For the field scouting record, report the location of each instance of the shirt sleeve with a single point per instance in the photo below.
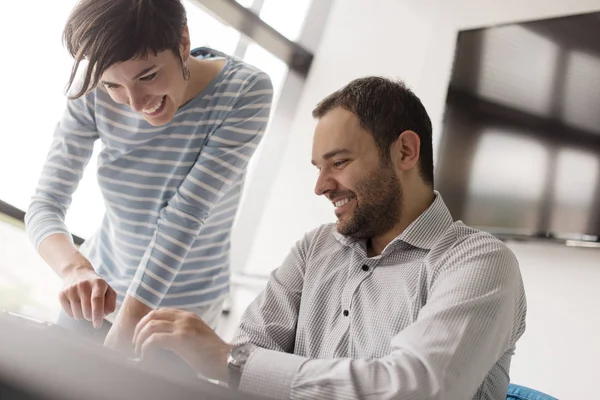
(71, 149)
(461, 332)
(270, 320)
(220, 165)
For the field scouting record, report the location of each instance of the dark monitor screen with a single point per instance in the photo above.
(520, 147)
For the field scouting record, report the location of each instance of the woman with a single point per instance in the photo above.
(177, 127)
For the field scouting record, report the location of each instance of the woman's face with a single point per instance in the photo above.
(153, 86)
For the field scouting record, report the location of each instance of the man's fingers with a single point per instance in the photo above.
(97, 301)
(141, 325)
(153, 327)
(155, 341)
(167, 314)
(163, 314)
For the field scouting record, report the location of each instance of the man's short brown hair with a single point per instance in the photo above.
(385, 108)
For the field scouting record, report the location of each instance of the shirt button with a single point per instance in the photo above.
(365, 267)
(346, 313)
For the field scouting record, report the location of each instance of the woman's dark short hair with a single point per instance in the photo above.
(385, 108)
(105, 32)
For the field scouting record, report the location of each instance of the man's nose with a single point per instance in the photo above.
(324, 184)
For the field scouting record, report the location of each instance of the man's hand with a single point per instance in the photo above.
(185, 334)
(121, 333)
(86, 295)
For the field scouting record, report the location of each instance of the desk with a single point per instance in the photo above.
(41, 361)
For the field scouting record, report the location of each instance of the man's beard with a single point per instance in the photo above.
(378, 205)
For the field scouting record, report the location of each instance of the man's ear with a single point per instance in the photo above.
(405, 151)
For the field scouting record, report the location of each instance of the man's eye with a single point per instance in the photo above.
(340, 163)
(148, 78)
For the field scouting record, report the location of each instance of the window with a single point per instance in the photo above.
(270, 64)
(205, 30)
(27, 285)
(37, 77)
(28, 132)
(277, 70)
(287, 17)
(246, 3)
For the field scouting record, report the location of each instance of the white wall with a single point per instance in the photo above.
(412, 40)
(357, 41)
(560, 350)
(415, 41)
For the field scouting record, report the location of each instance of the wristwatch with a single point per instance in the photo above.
(236, 360)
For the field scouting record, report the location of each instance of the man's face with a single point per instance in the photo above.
(362, 185)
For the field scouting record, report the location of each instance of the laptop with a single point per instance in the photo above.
(41, 360)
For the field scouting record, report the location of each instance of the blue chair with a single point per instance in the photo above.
(517, 392)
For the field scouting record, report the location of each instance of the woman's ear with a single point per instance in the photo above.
(405, 150)
(185, 45)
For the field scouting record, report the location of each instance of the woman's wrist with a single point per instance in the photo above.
(79, 264)
(133, 310)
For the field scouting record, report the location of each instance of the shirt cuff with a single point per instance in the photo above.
(270, 373)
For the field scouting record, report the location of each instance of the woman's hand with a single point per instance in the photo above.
(85, 295)
(185, 334)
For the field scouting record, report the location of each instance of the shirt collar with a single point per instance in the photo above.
(424, 232)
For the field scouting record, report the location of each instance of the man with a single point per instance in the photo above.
(395, 300)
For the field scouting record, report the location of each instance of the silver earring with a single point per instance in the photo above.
(186, 72)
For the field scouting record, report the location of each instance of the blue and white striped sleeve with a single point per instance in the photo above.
(221, 164)
(70, 151)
